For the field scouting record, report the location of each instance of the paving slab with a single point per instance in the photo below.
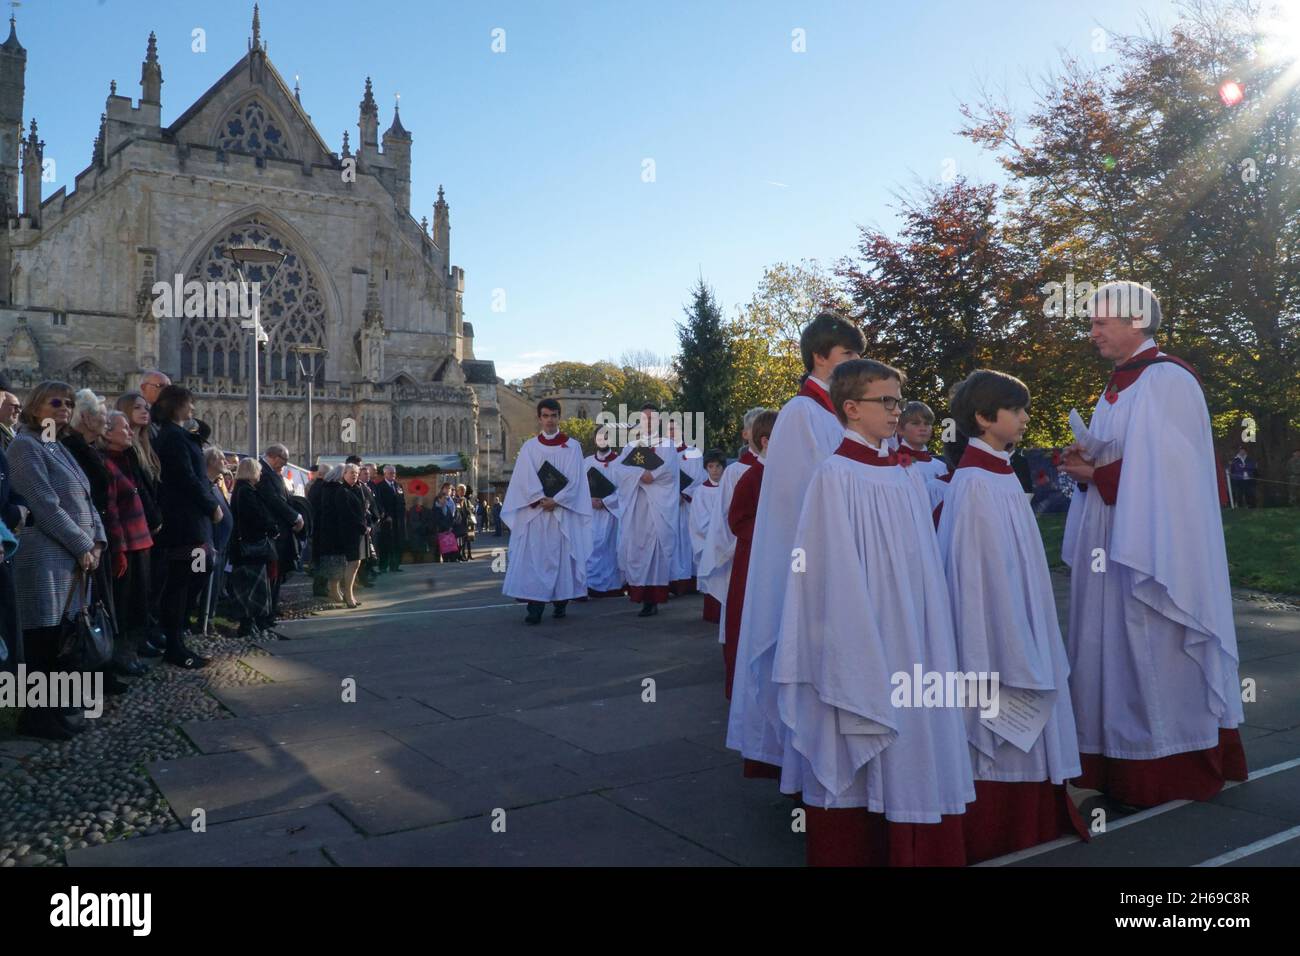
(377, 806)
(582, 831)
(1277, 796)
(247, 783)
(338, 719)
(296, 833)
(642, 764)
(1277, 705)
(481, 745)
(624, 722)
(1184, 836)
(257, 700)
(748, 822)
(1270, 749)
(1284, 854)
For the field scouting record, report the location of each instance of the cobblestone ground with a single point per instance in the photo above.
(93, 789)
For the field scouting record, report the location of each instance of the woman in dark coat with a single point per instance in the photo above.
(342, 532)
(189, 509)
(254, 525)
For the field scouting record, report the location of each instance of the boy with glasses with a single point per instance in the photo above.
(884, 781)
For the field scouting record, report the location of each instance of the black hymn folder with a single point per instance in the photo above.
(552, 479)
(643, 456)
(598, 484)
(684, 481)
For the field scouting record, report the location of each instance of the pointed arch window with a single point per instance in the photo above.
(293, 312)
(253, 129)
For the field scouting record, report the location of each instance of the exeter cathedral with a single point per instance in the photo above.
(243, 166)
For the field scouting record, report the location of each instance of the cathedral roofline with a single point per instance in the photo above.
(176, 125)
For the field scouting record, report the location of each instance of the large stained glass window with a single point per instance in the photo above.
(293, 313)
(252, 129)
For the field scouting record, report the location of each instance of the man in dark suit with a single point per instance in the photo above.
(271, 490)
(392, 529)
(12, 514)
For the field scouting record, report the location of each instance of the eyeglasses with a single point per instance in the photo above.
(59, 403)
(888, 401)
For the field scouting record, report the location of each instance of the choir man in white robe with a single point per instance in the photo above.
(806, 433)
(1152, 643)
(704, 514)
(1004, 614)
(650, 500)
(604, 574)
(883, 764)
(915, 427)
(550, 534)
(691, 462)
(720, 543)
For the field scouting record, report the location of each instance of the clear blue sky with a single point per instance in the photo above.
(761, 154)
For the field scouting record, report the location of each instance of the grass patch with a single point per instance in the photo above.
(1263, 547)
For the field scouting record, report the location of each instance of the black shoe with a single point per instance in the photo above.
(130, 668)
(185, 658)
(648, 609)
(42, 722)
(72, 720)
(535, 609)
(561, 608)
(114, 685)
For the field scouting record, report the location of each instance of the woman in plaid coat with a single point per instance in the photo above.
(62, 531)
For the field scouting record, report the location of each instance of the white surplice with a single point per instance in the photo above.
(932, 470)
(806, 433)
(548, 552)
(1004, 614)
(1152, 644)
(648, 523)
(870, 605)
(720, 545)
(705, 499)
(691, 463)
(603, 571)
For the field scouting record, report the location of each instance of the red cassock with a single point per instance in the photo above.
(740, 517)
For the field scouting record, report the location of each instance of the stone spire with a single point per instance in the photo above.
(33, 155)
(257, 28)
(97, 157)
(13, 72)
(441, 222)
(257, 50)
(397, 130)
(151, 78)
(347, 150)
(368, 121)
(370, 337)
(297, 89)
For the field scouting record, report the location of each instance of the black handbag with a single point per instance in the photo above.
(257, 552)
(86, 641)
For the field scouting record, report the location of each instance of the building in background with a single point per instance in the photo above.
(243, 165)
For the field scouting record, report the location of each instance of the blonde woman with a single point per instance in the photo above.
(342, 532)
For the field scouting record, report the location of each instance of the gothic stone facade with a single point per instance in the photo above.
(242, 166)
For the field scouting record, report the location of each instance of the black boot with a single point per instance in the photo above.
(561, 607)
(535, 609)
(42, 722)
(648, 609)
(181, 656)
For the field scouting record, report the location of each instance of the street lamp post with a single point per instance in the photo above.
(243, 256)
(315, 351)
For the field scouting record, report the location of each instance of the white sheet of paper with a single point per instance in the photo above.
(1093, 448)
(1022, 715)
(851, 723)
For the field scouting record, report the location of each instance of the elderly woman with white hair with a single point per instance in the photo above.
(252, 549)
(342, 532)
